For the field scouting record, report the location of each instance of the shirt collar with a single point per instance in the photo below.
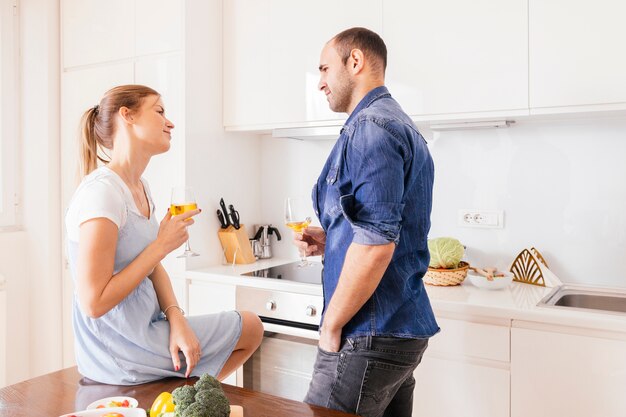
(366, 101)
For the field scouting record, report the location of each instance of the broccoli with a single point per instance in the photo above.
(204, 399)
(196, 410)
(183, 397)
(219, 406)
(207, 381)
(215, 400)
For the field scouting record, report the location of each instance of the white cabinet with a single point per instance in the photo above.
(449, 388)
(246, 62)
(159, 26)
(271, 58)
(207, 298)
(465, 370)
(454, 56)
(557, 371)
(577, 53)
(96, 32)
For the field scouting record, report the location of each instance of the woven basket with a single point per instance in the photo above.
(446, 277)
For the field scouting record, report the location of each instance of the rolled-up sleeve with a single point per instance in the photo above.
(375, 162)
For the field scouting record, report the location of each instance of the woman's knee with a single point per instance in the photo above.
(251, 329)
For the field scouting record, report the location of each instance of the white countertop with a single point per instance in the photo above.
(518, 302)
(231, 274)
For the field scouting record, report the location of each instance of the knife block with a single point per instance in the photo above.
(236, 245)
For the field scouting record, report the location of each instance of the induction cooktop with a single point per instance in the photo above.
(291, 272)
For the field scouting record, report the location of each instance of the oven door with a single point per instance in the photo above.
(283, 364)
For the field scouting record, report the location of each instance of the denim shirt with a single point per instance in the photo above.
(376, 188)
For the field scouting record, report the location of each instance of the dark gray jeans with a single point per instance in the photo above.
(369, 376)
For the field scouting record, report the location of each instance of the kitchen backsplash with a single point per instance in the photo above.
(561, 185)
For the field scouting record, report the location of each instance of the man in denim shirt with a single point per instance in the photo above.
(373, 199)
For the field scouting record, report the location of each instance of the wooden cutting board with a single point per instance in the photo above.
(236, 411)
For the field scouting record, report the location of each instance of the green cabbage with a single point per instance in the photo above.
(445, 252)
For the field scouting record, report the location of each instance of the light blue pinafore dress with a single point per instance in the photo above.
(130, 343)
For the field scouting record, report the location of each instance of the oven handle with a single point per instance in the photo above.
(291, 331)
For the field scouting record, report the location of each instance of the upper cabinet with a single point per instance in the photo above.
(97, 32)
(453, 56)
(448, 60)
(271, 58)
(577, 53)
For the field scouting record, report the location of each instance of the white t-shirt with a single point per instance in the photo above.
(104, 194)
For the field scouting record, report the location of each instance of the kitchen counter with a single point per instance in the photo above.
(66, 391)
(231, 274)
(518, 302)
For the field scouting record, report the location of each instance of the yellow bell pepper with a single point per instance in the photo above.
(162, 404)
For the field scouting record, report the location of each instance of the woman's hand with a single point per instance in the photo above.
(182, 338)
(311, 241)
(173, 230)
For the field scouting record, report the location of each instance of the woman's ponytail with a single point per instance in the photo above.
(89, 142)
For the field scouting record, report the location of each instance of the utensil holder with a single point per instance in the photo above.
(236, 245)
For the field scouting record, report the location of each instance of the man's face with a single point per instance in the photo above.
(335, 80)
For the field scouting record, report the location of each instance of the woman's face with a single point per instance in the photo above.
(151, 126)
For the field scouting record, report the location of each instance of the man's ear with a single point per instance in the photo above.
(126, 115)
(356, 62)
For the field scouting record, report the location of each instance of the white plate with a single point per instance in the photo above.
(497, 283)
(132, 403)
(100, 412)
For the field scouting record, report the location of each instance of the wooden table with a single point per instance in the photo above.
(66, 391)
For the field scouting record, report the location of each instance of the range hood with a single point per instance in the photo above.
(308, 133)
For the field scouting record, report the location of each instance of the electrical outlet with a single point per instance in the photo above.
(490, 219)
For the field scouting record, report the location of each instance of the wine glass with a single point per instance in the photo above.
(183, 200)
(297, 218)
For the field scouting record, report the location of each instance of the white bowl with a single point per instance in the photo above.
(498, 283)
(125, 411)
(132, 403)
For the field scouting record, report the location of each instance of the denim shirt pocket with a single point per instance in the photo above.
(331, 204)
(333, 173)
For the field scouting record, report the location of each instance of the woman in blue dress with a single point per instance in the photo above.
(128, 326)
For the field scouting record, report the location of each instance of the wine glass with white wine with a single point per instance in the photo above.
(298, 218)
(183, 200)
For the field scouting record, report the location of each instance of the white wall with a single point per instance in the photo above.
(13, 261)
(290, 168)
(30, 259)
(41, 209)
(218, 164)
(561, 184)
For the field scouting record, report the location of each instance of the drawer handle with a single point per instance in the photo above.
(270, 305)
(311, 311)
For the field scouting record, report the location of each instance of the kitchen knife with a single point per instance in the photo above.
(220, 217)
(224, 212)
(234, 216)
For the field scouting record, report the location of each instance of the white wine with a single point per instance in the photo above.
(176, 209)
(298, 227)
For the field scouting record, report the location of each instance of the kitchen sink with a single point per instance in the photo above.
(576, 297)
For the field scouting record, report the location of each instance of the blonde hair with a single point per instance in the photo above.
(97, 125)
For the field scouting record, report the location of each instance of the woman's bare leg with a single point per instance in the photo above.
(249, 341)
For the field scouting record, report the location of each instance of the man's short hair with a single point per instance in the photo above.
(364, 39)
